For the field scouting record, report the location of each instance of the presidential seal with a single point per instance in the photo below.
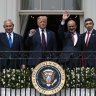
(48, 77)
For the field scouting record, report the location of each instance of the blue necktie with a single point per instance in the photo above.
(10, 43)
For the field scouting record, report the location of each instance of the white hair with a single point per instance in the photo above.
(8, 20)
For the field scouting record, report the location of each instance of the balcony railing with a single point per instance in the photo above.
(79, 67)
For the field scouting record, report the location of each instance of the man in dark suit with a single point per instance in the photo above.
(41, 40)
(89, 43)
(10, 41)
(71, 42)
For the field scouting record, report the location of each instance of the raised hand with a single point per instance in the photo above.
(65, 16)
(23, 66)
(32, 32)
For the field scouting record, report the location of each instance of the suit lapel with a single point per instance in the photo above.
(78, 37)
(14, 39)
(48, 37)
(37, 36)
(84, 39)
(69, 34)
(91, 37)
(5, 39)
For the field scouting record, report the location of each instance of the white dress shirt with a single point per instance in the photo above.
(45, 33)
(90, 32)
(75, 35)
(75, 38)
(11, 36)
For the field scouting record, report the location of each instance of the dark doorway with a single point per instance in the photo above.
(53, 24)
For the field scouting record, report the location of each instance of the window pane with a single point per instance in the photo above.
(72, 5)
(50, 4)
(24, 5)
(35, 4)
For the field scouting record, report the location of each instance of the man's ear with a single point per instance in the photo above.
(13, 25)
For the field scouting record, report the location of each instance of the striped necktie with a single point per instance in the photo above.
(87, 40)
(43, 41)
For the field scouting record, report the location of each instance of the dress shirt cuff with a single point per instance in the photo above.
(62, 23)
(30, 35)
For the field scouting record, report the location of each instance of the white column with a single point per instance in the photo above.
(3, 13)
(8, 10)
(89, 8)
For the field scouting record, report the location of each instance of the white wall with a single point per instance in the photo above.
(89, 8)
(8, 10)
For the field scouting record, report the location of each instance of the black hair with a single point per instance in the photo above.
(88, 19)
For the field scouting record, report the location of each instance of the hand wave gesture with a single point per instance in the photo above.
(65, 16)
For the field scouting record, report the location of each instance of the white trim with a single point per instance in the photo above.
(69, 92)
(40, 4)
(81, 24)
(52, 12)
(18, 17)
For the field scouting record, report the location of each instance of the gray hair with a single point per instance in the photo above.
(8, 20)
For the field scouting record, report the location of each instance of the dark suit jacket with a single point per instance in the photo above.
(16, 46)
(68, 45)
(34, 43)
(91, 47)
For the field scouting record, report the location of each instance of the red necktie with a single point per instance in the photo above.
(82, 61)
(43, 41)
(73, 37)
(87, 39)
